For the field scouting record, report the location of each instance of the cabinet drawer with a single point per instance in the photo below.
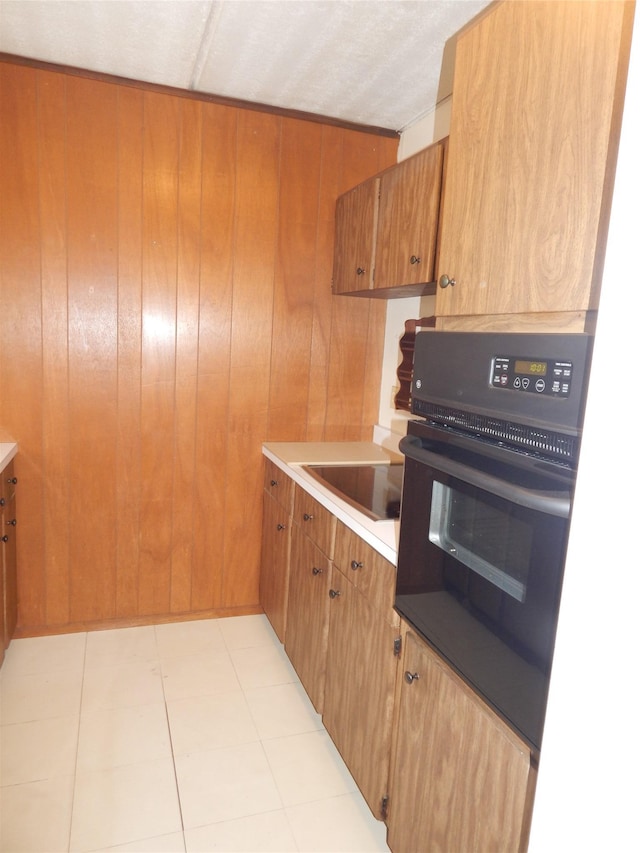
(315, 521)
(278, 484)
(374, 576)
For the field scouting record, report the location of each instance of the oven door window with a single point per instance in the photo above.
(486, 536)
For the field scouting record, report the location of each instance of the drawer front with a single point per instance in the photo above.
(278, 484)
(374, 576)
(315, 521)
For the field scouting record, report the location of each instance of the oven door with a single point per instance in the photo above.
(480, 563)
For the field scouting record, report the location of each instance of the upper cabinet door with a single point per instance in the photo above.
(353, 259)
(408, 220)
(535, 117)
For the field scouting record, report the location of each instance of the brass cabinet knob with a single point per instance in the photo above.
(414, 259)
(445, 281)
(410, 677)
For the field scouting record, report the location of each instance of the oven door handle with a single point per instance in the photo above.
(557, 503)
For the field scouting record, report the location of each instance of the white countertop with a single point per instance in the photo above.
(291, 456)
(8, 450)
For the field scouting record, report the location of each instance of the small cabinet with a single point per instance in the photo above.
(276, 544)
(362, 658)
(533, 136)
(9, 591)
(461, 779)
(386, 230)
(307, 633)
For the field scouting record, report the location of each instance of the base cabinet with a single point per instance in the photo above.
(8, 560)
(461, 779)
(358, 705)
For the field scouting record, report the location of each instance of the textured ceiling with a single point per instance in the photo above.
(374, 62)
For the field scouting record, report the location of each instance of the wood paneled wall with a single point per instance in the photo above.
(165, 268)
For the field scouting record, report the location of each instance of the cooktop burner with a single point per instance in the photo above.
(375, 490)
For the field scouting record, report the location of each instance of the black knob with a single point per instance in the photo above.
(414, 259)
(274, 482)
(360, 271)
(355, 565)
(13, 522)
(334, 593)
(13, 480)
(5, 538)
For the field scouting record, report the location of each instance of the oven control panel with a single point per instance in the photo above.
(532, 375)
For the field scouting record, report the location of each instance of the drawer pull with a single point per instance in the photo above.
(334, 593)
(410, 677)
(316, 571)
(274, 482)
(307, 517)
(355, 565)
(282, 527)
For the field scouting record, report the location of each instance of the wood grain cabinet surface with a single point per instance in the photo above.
(361, 665)
(386, 229)
(461, 779)
(8, 558)
(535, 119)
(310, 573)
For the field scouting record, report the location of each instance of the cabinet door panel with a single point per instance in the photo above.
(315, 521)
(274, 571)
(460, 780)
(8, 559)
(354, 248)
(358, 707)
(528, 158)
(278, 484)
(368, 570)
(308, 614)
(408, 220)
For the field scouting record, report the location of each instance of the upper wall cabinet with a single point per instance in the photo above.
(386, 229)
(536, 109)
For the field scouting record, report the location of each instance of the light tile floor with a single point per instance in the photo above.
(191, 736)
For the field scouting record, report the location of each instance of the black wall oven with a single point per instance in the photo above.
(488, 484)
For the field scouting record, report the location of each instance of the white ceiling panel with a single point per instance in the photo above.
(374, 62)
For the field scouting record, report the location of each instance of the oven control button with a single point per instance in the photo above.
(540, 386)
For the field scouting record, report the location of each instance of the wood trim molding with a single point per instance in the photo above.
(199, 96)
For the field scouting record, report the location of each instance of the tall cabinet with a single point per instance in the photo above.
(536, 109)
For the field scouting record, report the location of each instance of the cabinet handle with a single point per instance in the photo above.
(445, 281)
(1, 501)
(360, 271)
(13, 522)
(414, 259)
(355, 565)
(334, 593)
(12, 480)
(307, 517)
(316, 571)
(274, 482)
(410, 677)
(281, 527)
(4, 538)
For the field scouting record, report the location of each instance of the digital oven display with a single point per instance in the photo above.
(531, 375)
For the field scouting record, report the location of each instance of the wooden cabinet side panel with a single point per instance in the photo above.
(408, 220)
(274, 571)
(308, 615)
(359, 694)
(8, 561)
(527, 157)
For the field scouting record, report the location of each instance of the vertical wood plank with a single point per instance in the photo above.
(214, 345)
(253, 282)
(20, 313)
(187, 319)
(294, 280)
(128, 465)
(92, 295)
(55, 388)
(159, 258)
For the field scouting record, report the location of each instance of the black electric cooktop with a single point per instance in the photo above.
(375, 490)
